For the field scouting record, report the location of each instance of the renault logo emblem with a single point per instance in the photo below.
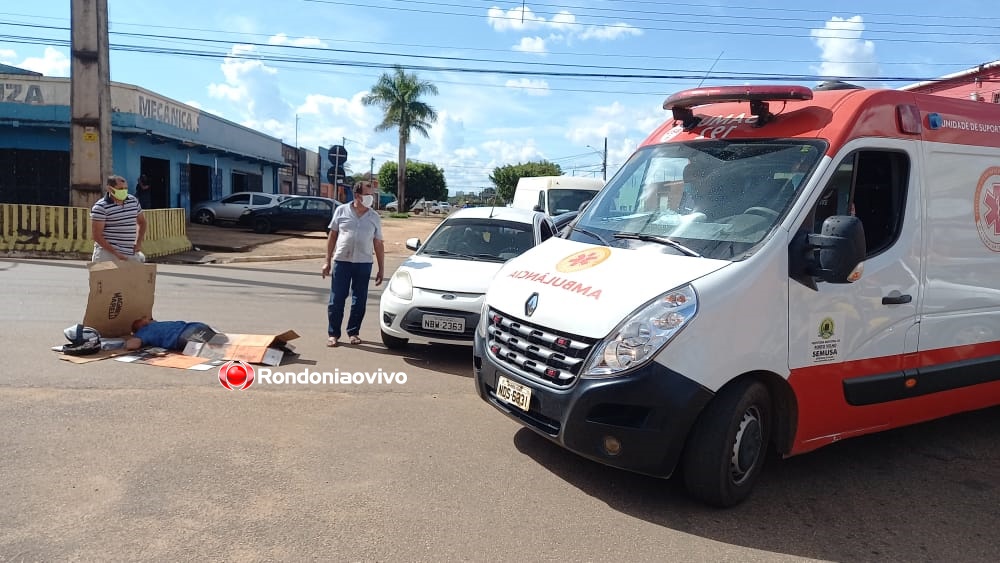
(531, 304)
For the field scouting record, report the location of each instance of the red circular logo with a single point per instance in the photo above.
(987, 208)
(236, 375)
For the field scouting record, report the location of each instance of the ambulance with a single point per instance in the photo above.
(819, 265)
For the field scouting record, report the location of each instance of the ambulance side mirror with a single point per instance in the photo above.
(832, 256)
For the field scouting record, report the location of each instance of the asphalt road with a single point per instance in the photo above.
(112, 461)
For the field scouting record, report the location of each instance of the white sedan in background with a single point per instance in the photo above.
(436, 295)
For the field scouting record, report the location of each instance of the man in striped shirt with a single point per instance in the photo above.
(117, 223)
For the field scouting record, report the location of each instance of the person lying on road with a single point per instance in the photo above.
(171, 335)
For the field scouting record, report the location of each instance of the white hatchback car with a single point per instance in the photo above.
(231, 207)
(436, 295)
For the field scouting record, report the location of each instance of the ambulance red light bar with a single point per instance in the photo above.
(758, 96)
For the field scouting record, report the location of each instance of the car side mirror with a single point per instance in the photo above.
(412, 243)
(832, 256)
(537, 208)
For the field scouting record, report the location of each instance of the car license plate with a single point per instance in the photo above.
(513, 393)
(444, 324)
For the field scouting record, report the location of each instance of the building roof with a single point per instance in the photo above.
(995, 65)
(7, 69)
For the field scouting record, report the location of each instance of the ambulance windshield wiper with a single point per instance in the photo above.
(590, 234)
(659, 239)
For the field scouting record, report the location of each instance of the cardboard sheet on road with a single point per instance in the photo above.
(167, 359)
(266, 349)
(102, 355)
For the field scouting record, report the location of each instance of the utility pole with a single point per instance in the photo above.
(90, 102)
(604, 164)
(295, 177)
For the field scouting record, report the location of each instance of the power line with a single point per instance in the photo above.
(677, 74)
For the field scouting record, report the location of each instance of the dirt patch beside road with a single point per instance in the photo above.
(230, 244)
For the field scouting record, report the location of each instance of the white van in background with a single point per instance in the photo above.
(554, 195)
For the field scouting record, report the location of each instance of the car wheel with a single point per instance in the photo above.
(726, 451)
(393, 343)
(262, 226)
(204, 217)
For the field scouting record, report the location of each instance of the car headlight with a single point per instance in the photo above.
(641, 336)
(483, 320)
(401, 285)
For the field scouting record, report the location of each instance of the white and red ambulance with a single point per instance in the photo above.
(773, 267)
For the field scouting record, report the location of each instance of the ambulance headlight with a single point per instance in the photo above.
(401, 285)
(641, 336)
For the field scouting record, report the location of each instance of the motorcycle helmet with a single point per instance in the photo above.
(83, 340)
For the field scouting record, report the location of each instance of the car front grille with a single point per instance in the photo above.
(412, 323)
(551, 357)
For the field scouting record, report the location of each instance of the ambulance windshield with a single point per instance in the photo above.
(717, 199)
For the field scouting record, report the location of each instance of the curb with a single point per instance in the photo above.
(274, 258)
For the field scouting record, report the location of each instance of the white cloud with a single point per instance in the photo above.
(283, 39)
(562, 28)
(609, 32)
(7, 56)
(531, 45)
(253, 88)
(329, 107)
(52, 63)
(514, 19)
(535, 87)
(842, 50)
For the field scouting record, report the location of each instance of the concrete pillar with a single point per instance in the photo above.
(90, 102)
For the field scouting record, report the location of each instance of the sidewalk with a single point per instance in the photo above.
(225, 244)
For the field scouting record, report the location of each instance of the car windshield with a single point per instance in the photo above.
(565, 200)
(717, 199)
(479, 239)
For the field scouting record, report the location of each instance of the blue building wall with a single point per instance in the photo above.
(35, 116)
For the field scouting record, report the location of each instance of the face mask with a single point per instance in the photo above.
(120, 195)
(367, 200)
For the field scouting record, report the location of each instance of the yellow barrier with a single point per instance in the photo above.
(47, 229)
(166, 232)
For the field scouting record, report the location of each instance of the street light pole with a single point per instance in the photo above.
(604, 163)
(604, 158)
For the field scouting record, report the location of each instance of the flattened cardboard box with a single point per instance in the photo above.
(266, 349)
(165, 358)
(120, 293)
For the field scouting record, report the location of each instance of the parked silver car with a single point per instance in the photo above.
(230, 208)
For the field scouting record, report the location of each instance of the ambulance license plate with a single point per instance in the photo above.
(513, 393)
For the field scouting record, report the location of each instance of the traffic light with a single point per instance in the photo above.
(337, 157)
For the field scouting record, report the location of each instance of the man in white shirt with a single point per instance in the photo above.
(355, 241)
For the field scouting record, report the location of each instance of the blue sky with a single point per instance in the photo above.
(546, 81)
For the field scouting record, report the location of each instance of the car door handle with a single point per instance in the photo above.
(897, 299)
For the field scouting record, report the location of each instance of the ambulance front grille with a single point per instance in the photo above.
(545, 355)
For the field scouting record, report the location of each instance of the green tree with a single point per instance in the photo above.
(505, 177)
(423, 180)
(399, 95)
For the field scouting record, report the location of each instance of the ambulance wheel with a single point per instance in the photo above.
(393, 343)
(727, 448)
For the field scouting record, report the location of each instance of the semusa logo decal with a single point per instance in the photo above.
(235, 375)
(583, 259)
(987, 208)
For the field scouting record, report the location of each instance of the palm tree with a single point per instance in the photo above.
(398, 94)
